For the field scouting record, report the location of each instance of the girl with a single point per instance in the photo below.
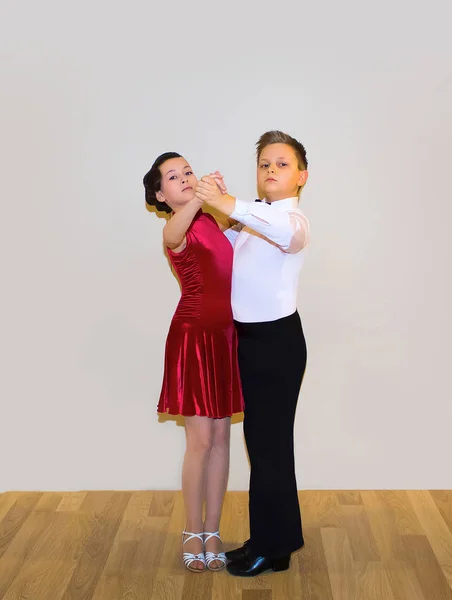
(201, 379)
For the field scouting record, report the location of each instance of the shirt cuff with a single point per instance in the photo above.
(241, 209)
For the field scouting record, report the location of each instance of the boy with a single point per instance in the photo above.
(268, 255)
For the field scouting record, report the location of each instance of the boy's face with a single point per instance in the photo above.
(278, 173)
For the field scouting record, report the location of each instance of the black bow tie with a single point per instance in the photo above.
(259, 200)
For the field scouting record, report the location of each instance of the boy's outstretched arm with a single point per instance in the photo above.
(289, 229)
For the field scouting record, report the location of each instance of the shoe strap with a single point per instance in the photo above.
(211, 535)
(212, 557)
(192, 536)
(190, 558)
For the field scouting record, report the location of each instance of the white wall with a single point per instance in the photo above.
(91, 93)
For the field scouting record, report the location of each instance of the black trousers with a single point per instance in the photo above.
(272, 360)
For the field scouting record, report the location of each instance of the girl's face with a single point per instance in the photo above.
(178, 183)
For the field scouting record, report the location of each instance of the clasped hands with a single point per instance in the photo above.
(211, 188)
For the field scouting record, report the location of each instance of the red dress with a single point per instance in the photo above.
(201, 374)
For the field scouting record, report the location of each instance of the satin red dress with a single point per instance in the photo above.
(201, 375)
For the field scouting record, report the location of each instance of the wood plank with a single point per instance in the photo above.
(373, 582)
(48, 502)
(288, 583)
(349, 497)
(172, 547)
(15, 518)
(383, 525)
(19, 550)
(97, 548)
(259, 595)
(162, 504)
(341, 568)
(234, 522)
(7, 499)
(435, 528)
(398, 504)
(234, 530)
(167, 586)
(359, 532)
(403, 581)
(142, 575)
(52, 560)
(313, 568)
(320, 508)
(71, 501)
(431, 577)
(443, 501)
(124, 547)
(198, 585)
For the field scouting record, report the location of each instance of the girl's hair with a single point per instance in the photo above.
(278, 137)
(152, 182)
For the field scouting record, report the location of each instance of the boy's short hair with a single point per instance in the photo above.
(279, 137)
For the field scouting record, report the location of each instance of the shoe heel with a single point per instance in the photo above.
(281, 564)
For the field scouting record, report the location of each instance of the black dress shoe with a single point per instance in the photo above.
(239, 553)
(252, 565)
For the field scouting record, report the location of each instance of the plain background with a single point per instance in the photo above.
(91, 93)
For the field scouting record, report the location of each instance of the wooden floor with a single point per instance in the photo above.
(385, 545)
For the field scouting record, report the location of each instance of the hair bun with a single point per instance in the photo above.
(151, 200)
(152, 182)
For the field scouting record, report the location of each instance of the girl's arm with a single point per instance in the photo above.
(230, 227)
(176, 228)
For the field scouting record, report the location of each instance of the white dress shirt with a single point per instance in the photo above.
(267, 259)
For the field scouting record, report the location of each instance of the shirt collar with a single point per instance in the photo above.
(286, 203)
